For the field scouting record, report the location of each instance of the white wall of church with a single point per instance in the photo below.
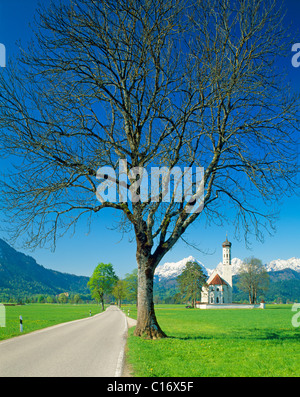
(220, 294)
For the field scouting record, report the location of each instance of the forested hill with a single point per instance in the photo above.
(20, 275)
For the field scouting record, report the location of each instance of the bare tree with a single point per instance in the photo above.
(165, 83)
(253, 278)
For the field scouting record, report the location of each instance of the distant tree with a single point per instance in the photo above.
(102, 282)
(191, 281)
(177, 298)
(119, 291)
(41, 299)
(156, 299)
(49, 299)
(132, 285)
(253, 278)
(76, 298)
(63, 298)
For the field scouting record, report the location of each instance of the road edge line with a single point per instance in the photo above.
(121, 358)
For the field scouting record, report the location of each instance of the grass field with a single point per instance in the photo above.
(37, 316)
(255, 342)
(200, 342)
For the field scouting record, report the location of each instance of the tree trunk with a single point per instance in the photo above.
(252, 295)
(147, 325)
(250, 298)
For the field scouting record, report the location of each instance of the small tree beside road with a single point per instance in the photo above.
(132, 286)
(102, 282)
(119, 291)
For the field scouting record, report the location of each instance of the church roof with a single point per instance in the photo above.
(226, 243)
(217, 280)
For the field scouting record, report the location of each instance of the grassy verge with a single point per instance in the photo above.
(218, 343)
(37, 316)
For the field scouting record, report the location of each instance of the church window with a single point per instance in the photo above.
(217, 300)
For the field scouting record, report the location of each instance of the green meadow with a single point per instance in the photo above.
(200, 342)
(36, 316)
(218, 343)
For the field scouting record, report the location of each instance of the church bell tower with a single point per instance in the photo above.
(227, 271)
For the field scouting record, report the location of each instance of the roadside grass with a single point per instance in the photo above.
(220, 343)
(37, 316)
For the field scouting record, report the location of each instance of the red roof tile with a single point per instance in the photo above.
(217, 280)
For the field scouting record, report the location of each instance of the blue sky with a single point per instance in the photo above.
(80, 253)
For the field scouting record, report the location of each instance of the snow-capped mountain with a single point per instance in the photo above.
(174, 269)
(280, 264)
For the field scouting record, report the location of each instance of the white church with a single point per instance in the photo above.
(219, 285)
(217, 293)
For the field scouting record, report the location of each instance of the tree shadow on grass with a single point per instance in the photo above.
(250, 334)
(279, 335)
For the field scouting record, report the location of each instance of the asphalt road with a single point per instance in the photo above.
(90, 347)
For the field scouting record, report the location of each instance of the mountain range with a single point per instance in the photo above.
(174, 269)
(284, 279)
(21, 275)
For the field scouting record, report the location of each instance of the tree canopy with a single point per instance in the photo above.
(253, 278)
(102, 282)
(190, 282)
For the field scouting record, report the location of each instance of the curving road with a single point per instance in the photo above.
(89, 347)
